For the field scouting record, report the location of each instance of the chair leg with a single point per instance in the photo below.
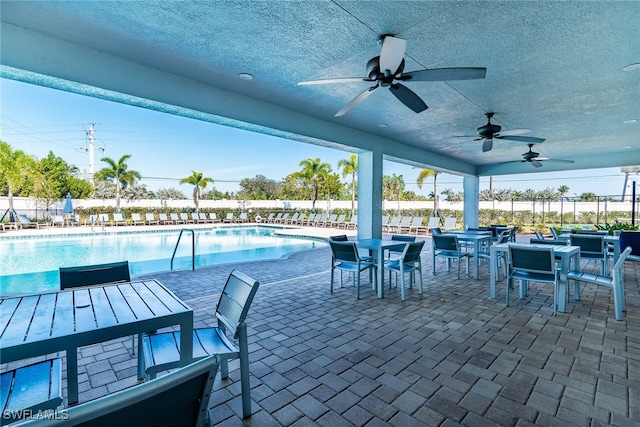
(332, 270)
(244, 370)
(401, 273)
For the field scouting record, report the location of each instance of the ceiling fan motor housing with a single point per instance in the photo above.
(488, 130)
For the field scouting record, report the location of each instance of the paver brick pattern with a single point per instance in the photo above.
(448, 357)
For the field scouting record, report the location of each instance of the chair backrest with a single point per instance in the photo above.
(180, 398)
(403, 238)
(150, 217)
(229, 215)
(104, 217)
(213, 216)
(555, 242)
(446, 242)
(95, 274)
(512, 233)
(436, 231)
(412, 252)
(344, 251)
(416, 221)
(630, 239)
(589, 244)
(135, 216)
(503, 237)
(532, 259)
(174, 216)
(339, 238)
(163, 217)
(184, 216)
(539, 235)
(235, 300)
(554, 232)
(617, 267)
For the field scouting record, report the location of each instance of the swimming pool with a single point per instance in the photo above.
(31, 264)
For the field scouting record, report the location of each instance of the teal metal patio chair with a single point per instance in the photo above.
(161, 351)
(408, 262)
(592, 247)
(180, 398)
(614, 282)
(447, 246)
(533, 264)
(345, 257)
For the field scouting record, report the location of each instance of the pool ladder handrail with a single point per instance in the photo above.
(193, 247)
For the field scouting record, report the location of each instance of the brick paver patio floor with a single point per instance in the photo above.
(448, 357)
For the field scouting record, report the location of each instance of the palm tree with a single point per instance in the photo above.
(199, 182)
(15, 167)
(350, 167)
(117, 173)
(313, 170)
(422, 177)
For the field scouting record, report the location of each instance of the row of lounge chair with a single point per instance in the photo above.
(151, 219)
(408, 224)
(311, 220)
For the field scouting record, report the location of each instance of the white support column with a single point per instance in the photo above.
(370, 195)
(471, 187)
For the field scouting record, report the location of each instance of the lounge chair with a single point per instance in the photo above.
(176, 219)
(243, 217)
(340, 221)
(310, 220)
(202, 218)
(434, 222)
(267, 219)
(404, 225)
(229, 217)
(416, 224)
(118, 219)
(151, 219)
(104, 219)
(293, 218)
(393, 224)
(283, 219)
(352, 224)
(57, 220)
(74, 219)
(449, 224)
(165, 220)
(213, 217)
(25, 222)
(330, 220)
(136, 219)
(184, 217)
(274, 220)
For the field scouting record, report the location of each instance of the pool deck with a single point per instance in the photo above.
(451, 356)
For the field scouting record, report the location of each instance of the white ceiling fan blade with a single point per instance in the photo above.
(487, 145)
(392, 54)
(558, 160)
(527, 139)
(445, 74)
(355, 101)
(336, 80)
(515, 132)
(535, 163)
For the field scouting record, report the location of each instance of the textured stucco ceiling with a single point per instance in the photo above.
(553, 67)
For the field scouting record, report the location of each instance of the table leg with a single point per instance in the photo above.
(72, 376)
(493, 265)
(380, 273)
(476, 263)
(186, 340)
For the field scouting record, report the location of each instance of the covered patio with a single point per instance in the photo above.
(451, 356)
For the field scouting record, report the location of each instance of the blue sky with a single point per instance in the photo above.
(166, 148)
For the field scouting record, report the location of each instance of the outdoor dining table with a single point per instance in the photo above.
(565, 253)
(477, 237)
(39, 324)
(378, 247)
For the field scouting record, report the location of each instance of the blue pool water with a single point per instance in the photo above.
(31, 265)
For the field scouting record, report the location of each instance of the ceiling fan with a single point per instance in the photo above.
(387, 70)
(535, 159)
(490, 131)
